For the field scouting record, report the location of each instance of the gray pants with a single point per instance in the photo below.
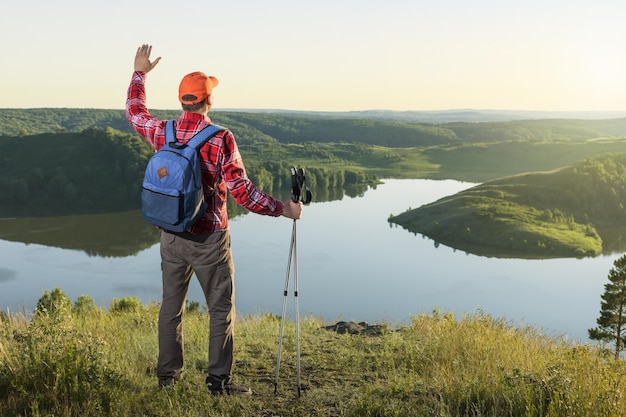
(211, 260)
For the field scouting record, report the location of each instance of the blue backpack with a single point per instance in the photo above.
(172, 197)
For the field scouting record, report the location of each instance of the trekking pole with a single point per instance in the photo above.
(298, 181)
(296, 303)
(292, 255)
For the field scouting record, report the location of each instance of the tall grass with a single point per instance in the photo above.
(90, 362)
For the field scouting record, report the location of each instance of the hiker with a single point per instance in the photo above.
(204, 248)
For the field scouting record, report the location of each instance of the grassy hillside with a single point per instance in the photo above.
(86, 361)
(552, 130)
(549, 214)
(481, 162)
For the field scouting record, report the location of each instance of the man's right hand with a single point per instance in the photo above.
(142, 59)
(292, 209)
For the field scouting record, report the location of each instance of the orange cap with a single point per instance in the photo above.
(196, 87)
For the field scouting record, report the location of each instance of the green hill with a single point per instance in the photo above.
(535, 215)
(482, 162)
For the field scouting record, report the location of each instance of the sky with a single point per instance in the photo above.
(323, 55)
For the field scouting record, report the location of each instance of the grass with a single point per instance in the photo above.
(101, 363)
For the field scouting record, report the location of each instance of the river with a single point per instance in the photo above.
(352, 264)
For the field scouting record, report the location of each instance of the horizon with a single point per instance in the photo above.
(381, 110)
(554, 56)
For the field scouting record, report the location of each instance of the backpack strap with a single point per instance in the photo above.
(170, 135)
(204, 135)
(197, 141)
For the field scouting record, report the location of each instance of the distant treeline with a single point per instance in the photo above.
(286, 128)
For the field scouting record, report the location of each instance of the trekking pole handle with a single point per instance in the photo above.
(298, 183)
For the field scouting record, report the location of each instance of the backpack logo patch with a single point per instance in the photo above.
(162, 172)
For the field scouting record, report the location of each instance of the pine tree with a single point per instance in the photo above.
(612, 320)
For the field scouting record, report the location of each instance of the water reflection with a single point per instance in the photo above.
(613, 242)
(105, 235)
(7, 275)
(125, 234)
(118, 234)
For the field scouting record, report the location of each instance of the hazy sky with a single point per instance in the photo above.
(327, 55)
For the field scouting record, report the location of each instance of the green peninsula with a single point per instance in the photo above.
(560, 213)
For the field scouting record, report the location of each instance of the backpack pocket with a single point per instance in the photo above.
(162, 209)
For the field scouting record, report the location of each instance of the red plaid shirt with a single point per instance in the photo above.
(223, 167)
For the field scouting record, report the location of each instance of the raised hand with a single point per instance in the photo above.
(142, 59)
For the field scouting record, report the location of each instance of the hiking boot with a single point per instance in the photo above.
(168, 383)
(217, 387)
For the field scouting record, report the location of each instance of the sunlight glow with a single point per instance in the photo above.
(327, 55)
(605, 68)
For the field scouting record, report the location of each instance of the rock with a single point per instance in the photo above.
(351, 327)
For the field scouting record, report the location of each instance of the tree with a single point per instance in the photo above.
(612, 320)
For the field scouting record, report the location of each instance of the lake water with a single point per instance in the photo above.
(353, 265)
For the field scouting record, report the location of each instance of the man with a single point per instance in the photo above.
(205, 247)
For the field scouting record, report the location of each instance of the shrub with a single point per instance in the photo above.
(84, 304)
(53, 304)
(50, 367)
(125, 305)
(193, 307)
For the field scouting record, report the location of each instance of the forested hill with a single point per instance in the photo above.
(287, 128)
(101, 170)
(560, 213)
(94, 171)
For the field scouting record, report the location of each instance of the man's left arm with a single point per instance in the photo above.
(243, 190)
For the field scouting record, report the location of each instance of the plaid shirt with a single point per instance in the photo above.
(223, 167)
